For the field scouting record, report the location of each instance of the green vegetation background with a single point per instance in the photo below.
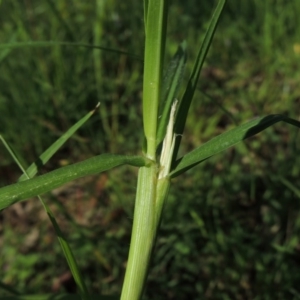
(231, 226)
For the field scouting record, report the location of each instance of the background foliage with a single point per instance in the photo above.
(231, 226)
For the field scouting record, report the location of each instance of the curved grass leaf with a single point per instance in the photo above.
(58, 43)
(226, 140)
(170, 86)
(45, 183)
(221, 107)
(62, 296)
(146, 2)
(63, 242)
(289, 185)
(61, 19)
(68, 253)
(5, 52)
(8, 289)
(44, 158)
(185, 102)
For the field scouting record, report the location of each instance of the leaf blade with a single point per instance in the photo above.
(171, 83)
(185, 102)
(63, 242)
(44, 183)
(226, 140)
(44, 157)
(72, 44)
(69, 255)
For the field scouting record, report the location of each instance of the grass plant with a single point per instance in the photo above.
(165, 114)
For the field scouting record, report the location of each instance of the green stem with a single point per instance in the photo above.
(154, 52)
(143, 234)
(145, 220)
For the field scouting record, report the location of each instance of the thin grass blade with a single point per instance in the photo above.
(5, 52)
(292, 122)
(221, 107)
(44, 157)
(58, 43)
(68, 253)
(62, 296)
(226, 140)
(171, 82)
(63, 242)
(185, 103)
(290, 186)
(146, 2)
(45, 183)
(9, 289)
(61, 20)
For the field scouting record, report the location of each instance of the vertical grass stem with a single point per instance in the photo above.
(154, 51)
(143, 235)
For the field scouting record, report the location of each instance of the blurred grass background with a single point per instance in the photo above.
(231, 226)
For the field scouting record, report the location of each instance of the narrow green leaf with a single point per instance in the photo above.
(63, 242)
(63, 24)
(290, 186)
(5, 52)
(58, 43)
(45, 183)
(185, 103)
(171, 82)
(9, 289)
(68, 253)
(58, 297)
(145, 13)
(292, 122)
(226, 140)
(223, 109)
(44, 158)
